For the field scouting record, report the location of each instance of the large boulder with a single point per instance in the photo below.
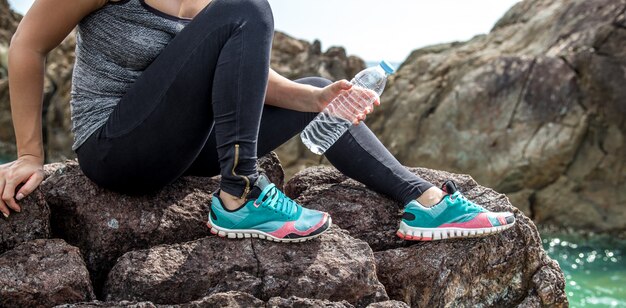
(236, 299)
(506, 269)
(225, 299)
(105, 224)
(535, 109)
(334, 267)
(294, 58)
(43, 273)
(33, 222)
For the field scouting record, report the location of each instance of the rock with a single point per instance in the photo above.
(105, 224)
(231, 299)
(295, 58)
(120, 304)
(279, 302)
(226, 299)
(498, 270)
(33, 222)
(8, 22)
(531, 109)
(389, 304)
(334, 267)
(43, 273)
(272, 167)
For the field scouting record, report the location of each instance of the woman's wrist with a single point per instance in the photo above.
(35, 158)
(312, 99)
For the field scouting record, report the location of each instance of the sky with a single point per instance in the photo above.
(375, 30)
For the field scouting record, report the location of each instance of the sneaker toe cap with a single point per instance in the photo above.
(502, 218)
(311, 219)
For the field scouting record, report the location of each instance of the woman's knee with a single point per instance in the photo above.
(319, 82)
(256, 12)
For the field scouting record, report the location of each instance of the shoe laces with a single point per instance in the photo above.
(272, 198)
(465, 202)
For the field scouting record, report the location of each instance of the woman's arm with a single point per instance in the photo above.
(288, 94)
(44, 27)
(284, 93)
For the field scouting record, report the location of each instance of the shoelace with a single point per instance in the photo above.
(274, 199)
(467, 203)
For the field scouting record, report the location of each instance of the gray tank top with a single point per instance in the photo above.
(114, 44)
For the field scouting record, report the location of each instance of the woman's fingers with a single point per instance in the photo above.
(3, 208)
(33, 181)
(9, 193)
(354, 104)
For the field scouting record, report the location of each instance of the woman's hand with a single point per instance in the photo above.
(344, 87)
(26, 169)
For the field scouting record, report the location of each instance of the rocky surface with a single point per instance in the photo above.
(43, 273)
(105, 225)
(335, 267)
(389, 304)
(33, 222)
(535, 109)
(239, 299)
(294, 58)
(500, 270)
(8, 21)
(225, 299)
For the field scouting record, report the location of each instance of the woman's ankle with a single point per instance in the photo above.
(431, 197)
(231, 202)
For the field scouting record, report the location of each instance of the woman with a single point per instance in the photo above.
(163, 89)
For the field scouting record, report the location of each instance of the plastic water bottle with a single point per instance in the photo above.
(331, 123)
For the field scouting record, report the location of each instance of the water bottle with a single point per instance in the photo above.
(331, 123)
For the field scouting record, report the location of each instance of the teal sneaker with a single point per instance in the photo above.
(267, 214)
(453, 217)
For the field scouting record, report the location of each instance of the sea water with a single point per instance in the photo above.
(594, 267)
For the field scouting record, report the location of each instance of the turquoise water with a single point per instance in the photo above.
(594, 268)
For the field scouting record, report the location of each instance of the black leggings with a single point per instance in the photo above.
(198, 109)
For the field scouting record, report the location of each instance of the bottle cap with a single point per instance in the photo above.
(389, 69)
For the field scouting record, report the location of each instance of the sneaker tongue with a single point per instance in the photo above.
(261, 182)
(449, 187)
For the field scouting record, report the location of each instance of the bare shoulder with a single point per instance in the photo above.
(46, 23)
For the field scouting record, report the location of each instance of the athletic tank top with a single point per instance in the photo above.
(114, 44)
